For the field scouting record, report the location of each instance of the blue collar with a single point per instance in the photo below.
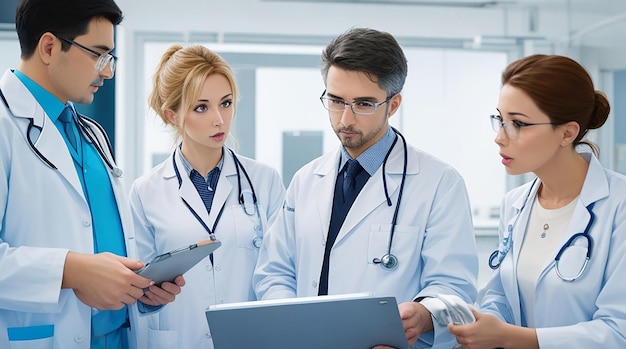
(51, 105)
(188, 166)
(372, 158)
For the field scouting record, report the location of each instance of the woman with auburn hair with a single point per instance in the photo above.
(561, 260)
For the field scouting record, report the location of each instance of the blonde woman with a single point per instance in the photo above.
(204, 189)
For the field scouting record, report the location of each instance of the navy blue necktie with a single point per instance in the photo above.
(202, 186)
(350, 188)
(67, 118)
(353, 168)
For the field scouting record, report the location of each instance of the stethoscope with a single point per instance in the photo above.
(85, 126)
(496, 258)
(250, 209)
(389, 260)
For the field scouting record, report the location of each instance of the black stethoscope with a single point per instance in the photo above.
(249, 208)
(85, 126)
(496, 258)
(389, 260)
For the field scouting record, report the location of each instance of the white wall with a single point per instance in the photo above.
(10, 48)
(558, 24)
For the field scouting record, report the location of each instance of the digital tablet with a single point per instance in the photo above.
(168, 266)
(339, 321)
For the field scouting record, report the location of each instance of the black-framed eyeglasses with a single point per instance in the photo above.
(358, 107)
(512, 127)
(104, 59)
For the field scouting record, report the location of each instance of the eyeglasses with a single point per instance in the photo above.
(104, 59)
(512, 127)
(358, 107)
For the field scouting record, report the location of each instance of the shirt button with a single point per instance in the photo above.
(218, 268)
(86, 223)
(209, 267)
(79, 338)
(257, 227)
(314, 284)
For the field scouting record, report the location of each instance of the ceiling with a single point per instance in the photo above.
(603, 6)
(595, 23)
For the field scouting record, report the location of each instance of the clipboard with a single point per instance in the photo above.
(167, 266)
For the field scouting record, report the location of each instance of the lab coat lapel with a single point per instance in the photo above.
(373, 196)
(188, 192)
(49, 142)
(324, 186)
(518, 225)
(224, 187)
(52, 146)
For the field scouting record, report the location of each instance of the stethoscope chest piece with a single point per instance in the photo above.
(117, 172)
(388, 261)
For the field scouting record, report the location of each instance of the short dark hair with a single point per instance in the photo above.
(562, 89)
(372, 52)
(68, 18)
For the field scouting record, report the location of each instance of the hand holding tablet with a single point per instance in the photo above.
(167, 266)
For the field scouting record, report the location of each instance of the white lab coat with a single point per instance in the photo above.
(434, 239)
(44, 215)
(164, 223)
(590, 311)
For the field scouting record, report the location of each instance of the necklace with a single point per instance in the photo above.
(546, 226)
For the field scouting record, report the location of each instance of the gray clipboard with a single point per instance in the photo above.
(167, 266)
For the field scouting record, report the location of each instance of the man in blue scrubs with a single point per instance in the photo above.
(65, 227)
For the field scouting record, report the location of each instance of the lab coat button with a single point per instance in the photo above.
(314, 284)
(86, 223)
(79, 338)
(208, 334)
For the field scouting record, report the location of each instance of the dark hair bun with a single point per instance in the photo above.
(600, 112)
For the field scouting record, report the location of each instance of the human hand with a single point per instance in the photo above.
(163, 294)
(416, 320)
(104, 281)
(483, 333)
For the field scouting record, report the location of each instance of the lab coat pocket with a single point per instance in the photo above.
(31, 337)
(405, 245)
(248, 227)
(162, 339)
